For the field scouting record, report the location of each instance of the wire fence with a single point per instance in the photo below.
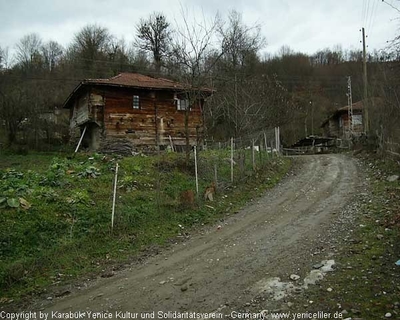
(392, 147)
(183, 183)
(243, 154)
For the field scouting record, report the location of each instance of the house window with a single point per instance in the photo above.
(182, 104)
(136, 102)
(357, 119)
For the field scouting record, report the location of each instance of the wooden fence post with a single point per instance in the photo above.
(195, 170)
(232, 160)
(253, 158)
(215, 174)
(114, 197)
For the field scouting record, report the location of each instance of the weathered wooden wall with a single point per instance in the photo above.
(80, 111)
(338, 126)
(157, 118)
(333, 126)
(357, 129)
(154, 122)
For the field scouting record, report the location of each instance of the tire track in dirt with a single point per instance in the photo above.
(219, 267)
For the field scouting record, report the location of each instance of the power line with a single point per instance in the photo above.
(391, 5)
(362, 12)
(372, 17)
(366, 13)
(255, 79)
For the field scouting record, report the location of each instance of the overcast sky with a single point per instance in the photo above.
(304, 25)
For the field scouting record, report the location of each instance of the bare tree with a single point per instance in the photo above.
(239, 41)
(386, 116)
(154, 36)
(192, 46)
(285, 51)
(28, 51)
(4, 63)
(394, 45)
(139, 60)
(118, 54)
(90, 44)
(251, 104)
(52, 53)
(236, 102)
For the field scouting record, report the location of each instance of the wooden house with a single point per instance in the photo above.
(132, 111)
(339, 126)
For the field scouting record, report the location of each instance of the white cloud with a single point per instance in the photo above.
(306, 25)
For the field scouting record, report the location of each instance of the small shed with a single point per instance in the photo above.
(338, 125)
(133, 111)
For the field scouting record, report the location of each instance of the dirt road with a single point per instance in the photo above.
(219, 269)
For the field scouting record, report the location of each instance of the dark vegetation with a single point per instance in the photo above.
(254, 90)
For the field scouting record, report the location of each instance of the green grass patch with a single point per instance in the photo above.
(55, 212)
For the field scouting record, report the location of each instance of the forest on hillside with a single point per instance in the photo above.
(253, 91)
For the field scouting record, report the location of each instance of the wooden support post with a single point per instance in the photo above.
(172, 144)
(114, 196)
(80, 140)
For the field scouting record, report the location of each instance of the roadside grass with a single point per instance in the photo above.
(55, 212)
(366, 284)
(37, 161)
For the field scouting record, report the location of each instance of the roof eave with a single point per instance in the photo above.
(67, 101)
(83, 83)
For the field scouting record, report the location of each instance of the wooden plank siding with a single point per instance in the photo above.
(338, 125)
(80, 112)
(157, 118)
(106, 107)
(357, 129)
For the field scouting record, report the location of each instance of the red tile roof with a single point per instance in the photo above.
(136, 80)
(356, 106)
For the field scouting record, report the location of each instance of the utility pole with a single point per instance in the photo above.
(305, 126)
(350, 106)
(312, 117)
(365, 81)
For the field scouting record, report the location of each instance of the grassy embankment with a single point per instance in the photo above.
(56, 212)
